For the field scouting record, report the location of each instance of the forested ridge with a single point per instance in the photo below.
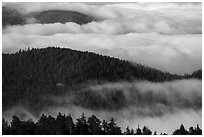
(13, 17)
(65, 125)
(62, 16)
(30, 74)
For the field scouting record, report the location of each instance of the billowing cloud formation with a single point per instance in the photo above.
(166, 36)
(164, 18)
(115, 26)
(113, 10)
(176, 54)
(153, 104)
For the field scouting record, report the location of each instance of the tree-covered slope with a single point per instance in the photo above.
(28, 75)
(11, 17)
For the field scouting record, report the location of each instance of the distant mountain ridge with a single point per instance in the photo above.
(12, 17)
(53, 16)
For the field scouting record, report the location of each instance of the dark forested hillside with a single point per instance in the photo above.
(197, 74)
(13, 17)
(65, 125)
(27, 75)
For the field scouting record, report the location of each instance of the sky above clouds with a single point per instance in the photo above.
(166, 36)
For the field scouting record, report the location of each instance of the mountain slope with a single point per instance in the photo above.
(40, 73)
(11, 17)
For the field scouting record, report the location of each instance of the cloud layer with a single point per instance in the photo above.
(166, 36)
(144, 98)
(164, 18)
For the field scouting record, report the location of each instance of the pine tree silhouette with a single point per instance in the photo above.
(64, 125)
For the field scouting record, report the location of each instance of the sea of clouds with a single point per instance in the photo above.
(166, 36)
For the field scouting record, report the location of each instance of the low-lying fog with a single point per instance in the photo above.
(160, 106)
